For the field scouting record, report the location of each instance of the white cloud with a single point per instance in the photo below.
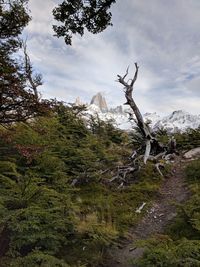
(42, 18)
(162, 36)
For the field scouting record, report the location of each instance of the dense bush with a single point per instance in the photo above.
(189, 139)
(56, 202)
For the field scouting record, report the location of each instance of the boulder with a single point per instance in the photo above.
(193, 153)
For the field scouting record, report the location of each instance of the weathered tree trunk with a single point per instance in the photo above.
(154, 150)
(149, 140)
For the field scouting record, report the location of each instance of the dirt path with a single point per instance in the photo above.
(173, 190)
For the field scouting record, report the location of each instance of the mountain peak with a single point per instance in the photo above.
(100, 102)
(179, 112)
(78, 101)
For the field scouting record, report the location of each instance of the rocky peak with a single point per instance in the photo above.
(100, 102)
(78, 102)
(118, 110)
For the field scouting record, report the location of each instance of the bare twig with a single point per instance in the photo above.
(34, 80)
(158, 165)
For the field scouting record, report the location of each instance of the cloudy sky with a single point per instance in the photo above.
(162, 36)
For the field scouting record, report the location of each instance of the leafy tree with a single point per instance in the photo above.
(76, 16)
(13, 19)
(18, 85)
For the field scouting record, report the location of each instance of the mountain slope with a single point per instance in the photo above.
(176, 121)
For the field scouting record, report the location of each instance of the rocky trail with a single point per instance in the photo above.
(172, 191)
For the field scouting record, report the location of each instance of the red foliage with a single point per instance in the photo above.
(29, 152)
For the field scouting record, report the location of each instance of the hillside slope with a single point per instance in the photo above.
(163, 210)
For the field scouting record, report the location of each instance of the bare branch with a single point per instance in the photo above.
(135, 76)
(126, 73)
(158, 165)
(147, 151)
(121, 80)
(34, 81)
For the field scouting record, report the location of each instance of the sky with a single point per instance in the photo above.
(163, 37)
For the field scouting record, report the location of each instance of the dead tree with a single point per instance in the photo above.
(19, 96)
(34, 80)
(154, 150)
(150, 141)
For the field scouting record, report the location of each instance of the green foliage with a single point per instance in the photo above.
(164, 252)
(137, 138)
(9, 169)
(182, 245)
(44, 221)
(193, 172)
(18, 93)
(14, 18)
(56, 202)
(189, 139)
(37, 259)
(78, 15)
(106, 130)
(162, 135)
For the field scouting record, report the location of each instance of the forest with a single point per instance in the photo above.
(80, 193)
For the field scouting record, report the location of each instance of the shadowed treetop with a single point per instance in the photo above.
(76, 16)
(13, 17)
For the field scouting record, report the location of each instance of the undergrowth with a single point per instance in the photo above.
(57, 206)
(180, 246)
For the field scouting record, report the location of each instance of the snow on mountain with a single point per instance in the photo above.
(120, 119)
(153, 118)
(177, 121)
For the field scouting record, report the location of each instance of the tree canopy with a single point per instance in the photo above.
(76, 16)
(18, 84)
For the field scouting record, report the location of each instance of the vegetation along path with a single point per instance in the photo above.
(172, 191)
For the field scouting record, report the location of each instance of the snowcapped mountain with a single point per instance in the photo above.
(177, 121)
(119, 117)
(153, 118)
